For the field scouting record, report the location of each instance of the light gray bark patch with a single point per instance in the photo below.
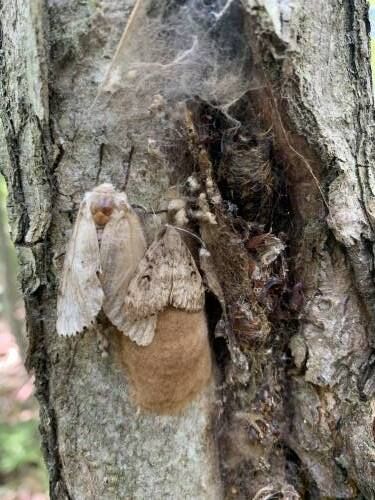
(122, 452)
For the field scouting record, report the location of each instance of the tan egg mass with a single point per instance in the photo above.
(171, 371)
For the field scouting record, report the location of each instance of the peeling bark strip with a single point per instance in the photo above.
(276, 154)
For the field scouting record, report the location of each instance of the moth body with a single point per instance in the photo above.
(166, 276)
(104, 251)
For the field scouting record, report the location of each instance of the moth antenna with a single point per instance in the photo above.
(101, 152)
(142, 207)
(188, 232)
(126, 166)
(150, 212)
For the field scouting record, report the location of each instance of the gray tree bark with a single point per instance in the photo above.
(292, 414)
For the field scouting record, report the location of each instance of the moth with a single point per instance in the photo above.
(166, 348)
(166, 276)
(104, 251)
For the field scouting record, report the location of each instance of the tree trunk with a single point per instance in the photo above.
(280, 140)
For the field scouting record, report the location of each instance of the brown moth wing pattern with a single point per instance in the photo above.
(166, 276)
(141, 324)
(187, 291)
(149, 290)
(81, 296)
(122, 247)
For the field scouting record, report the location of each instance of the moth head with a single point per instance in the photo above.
(103, 201)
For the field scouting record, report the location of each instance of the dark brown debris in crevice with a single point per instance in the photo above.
(246, 223)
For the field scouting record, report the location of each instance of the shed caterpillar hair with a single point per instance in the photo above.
(103, 253)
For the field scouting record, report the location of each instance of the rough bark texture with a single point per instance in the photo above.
(95, 443)
(314, 64)
(297, 410)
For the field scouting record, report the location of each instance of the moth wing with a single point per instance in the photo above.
(122, 247)
(80, 296)
(142, 331)
(167, 275)
(149, 290)
(187, 291)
